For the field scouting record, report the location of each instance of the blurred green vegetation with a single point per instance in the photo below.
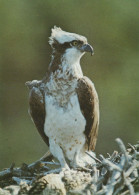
(112, 28)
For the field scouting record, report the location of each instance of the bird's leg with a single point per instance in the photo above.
(57, 152)
(77, 163)
(74, 163)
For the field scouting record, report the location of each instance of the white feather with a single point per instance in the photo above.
(65, 125)
(62, 36)
(71, 60)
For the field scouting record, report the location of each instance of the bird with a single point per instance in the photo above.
(64, 105)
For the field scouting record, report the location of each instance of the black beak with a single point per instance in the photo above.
(87, 48)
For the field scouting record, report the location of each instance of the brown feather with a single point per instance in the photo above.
(37, 110)
(89, 105)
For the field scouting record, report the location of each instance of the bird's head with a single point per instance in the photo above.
(70, 45)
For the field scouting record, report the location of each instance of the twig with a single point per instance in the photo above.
(96, 159)
(123, 150)
(129, 185)
(110, 165)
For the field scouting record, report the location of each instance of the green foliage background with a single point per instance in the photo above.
(112, 28)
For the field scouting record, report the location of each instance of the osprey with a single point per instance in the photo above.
(64, 105)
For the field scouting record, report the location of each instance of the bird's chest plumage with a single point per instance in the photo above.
(64, 121)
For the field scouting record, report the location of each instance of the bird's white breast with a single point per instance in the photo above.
(65, 125)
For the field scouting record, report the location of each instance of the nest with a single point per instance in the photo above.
(116, 174)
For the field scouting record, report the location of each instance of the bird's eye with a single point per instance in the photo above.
(74, 43)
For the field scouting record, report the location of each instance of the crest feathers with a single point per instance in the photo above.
(61, 36)
(54, 33)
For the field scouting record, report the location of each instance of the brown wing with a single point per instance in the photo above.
(37, 109)
(89, 105)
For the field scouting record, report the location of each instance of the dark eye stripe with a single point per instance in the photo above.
(61, 47)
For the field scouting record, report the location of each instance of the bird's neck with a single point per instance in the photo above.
(63, 66)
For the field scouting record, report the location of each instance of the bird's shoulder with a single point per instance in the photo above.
(86, 87)
(38, 83)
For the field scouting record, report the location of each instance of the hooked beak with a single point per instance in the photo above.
(87, 48)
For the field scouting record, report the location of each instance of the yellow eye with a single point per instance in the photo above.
(74, 43)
